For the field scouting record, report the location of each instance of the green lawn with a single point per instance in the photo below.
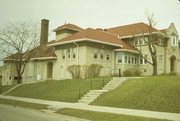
(5, 88)
(100, 116)
(23, 104)
(161, 93)
(63, 90)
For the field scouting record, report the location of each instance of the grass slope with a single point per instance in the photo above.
(63, 90)
(161, 93)
(100, 116)
(23, 104)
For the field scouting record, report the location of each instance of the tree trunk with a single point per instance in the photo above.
(154, 68)
(19, 79)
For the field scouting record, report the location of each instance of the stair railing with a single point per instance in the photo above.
(90, 83)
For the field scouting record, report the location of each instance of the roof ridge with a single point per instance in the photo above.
(128, 25)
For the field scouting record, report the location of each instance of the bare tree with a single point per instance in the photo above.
(16, 43)
(151, 39)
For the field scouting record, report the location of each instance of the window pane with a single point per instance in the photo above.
(108, 55)
(119, 59)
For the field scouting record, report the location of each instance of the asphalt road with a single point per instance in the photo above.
(10, 113)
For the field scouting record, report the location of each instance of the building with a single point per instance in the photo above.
(116, 49)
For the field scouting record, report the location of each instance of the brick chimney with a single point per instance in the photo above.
(44, 31)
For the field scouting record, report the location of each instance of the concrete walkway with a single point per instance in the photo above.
(57, 104)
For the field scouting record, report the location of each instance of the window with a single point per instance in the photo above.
(132, 61)
(102, 54)
(135, 59)
(119, 59)
(136, 43)
(69, 53)
(126, 59)
(129, 60)
(174, 40)
(64, 54)
(74, 53)
(108, 55)
(141, 41)
(95, 53)
(143, 59)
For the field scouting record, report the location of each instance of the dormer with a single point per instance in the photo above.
(173, 35)
(66, 30)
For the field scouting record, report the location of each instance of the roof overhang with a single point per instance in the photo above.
(126, 50)
(84, 39)
(40, 58)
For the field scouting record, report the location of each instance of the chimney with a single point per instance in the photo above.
(44, 31)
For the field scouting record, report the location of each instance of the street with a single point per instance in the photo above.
(10, 113)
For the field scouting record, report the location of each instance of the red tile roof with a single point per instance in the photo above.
(98, 35)
(131, 29)
(68, 26)
(41, 51)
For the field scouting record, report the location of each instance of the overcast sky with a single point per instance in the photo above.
(90, 13)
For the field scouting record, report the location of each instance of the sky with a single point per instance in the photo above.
(90, 13)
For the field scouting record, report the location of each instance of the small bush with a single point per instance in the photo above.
(137, 73)
(75, 71)
(172, 74)
(131, 72)
(128, 73)
(93, 70)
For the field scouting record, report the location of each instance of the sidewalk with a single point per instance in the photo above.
(57, 104)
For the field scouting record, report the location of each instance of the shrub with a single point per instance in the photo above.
(93, 70)
(128, 73)
(75, 71)
(131, 72)
(137, 73)
(172, 74)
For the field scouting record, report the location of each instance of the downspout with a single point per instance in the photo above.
(77, 52)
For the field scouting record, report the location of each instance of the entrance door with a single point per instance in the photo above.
(172, 63)
(49, 69)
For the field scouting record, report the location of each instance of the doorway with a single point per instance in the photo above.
(49, 69)
(172, 63)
